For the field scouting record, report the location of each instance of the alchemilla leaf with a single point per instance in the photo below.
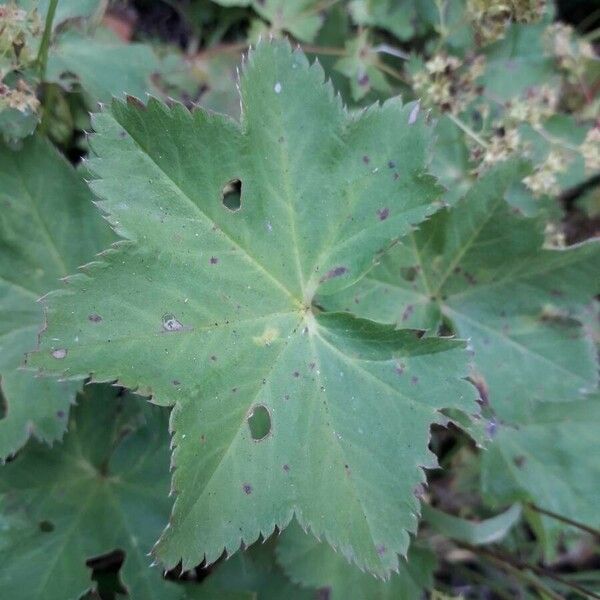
(311, 563)
(483, 271)
(280, 408)
(48, 227)
(104, 488)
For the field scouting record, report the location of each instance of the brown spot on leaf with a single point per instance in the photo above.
(335, 272)
(214, 260)
(383, 213)
(247, 489)
(94, 318)
(59, 353)
(519, 461)
(408, 311)
(366, 159)
(323, 593)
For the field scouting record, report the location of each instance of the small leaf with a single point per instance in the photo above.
(301, 18)
(478, 533)
(211, 309)
(311, 563)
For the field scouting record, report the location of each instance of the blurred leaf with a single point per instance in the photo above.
(301, 18)
(479, 533)
(104, 488)
(102, 65)
(360, 66)
(48, 227)
(517, 62)
(396, 16)
(549, 459)
(315, 564)
(254, 573)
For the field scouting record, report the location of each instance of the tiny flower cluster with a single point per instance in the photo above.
(590, 149)
(544, 178)
(490, 18)
(21, 97)
(16, 25)
(570, 50)
(448, 83)
(534, 107)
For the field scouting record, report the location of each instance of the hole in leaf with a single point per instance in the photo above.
(232, 195)
(3, 405)
(259, 422)
(408, 273)
(106, 574)
(46, 526)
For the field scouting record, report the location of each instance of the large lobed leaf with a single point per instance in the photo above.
(279, 408)
(48, 227)
(482, 270)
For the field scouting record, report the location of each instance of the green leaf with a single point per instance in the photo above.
(548, 460)
(48, 227)
(450, 160)
(478, 533)
(482, 269)
(396, 16)
(517, 62)
(65, 9)
(254, 571)
(211, 309)
(314, 564)
(104, 488)
(103, 65)
(361, 67)
(301, 18)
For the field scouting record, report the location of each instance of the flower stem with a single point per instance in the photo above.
(42, 57)
(467, 129)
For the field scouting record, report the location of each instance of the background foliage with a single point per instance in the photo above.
(501, 108)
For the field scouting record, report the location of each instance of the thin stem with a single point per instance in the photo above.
(549, 513)
(554, 140)
(391, 51)
(509, 566)
(42, 57)
(467, 130)
(592, 35)
(586, 21)
(391, 71)
(310, 49)
(534, 569)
